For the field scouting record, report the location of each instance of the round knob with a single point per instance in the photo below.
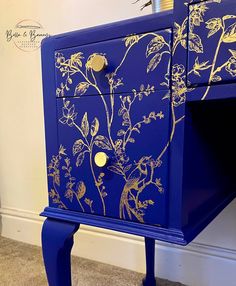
(101, 159)
(98, 63)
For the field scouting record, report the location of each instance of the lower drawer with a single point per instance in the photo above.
(133, 131)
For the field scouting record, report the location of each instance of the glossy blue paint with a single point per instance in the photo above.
(150, 262)
(163, 234)
(151, 146)
(220, 16)
(132, 71)
(189, 151)
(57, 241)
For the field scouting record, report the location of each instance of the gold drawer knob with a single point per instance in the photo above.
(98, 63)
(101, 159)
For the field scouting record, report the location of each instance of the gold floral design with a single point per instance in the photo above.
(227, 34)
(137, 181)
(54, 173)
(138, 175)
(90, 137)
(231, 64)
(72, 189)
(179, 87)
(69, 114)
(181, 32)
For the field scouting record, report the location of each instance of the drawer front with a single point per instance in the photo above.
(131, 61)
(133, 184)
(212, 43)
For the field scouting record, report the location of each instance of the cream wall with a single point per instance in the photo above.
(23, 194)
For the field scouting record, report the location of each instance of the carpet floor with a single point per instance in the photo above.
(22, 265)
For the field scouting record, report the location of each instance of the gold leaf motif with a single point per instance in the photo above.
(115, 169)
(155, 45)
(81, 88)
(80, 159)
(89, 203)
(226, 17)
(102, 142)
(62, 150)
(200, 66)
(94, 127)
(230, 34)
(183, 42)
(104, 194)
(57, 179)
(195, 43)
(121, 132)
(75, 59)
(214, 26)
(69, 194)
(78, 146)
(154, 62)
(81, 190)
(118, 143)
(130, 40)
(85, 125)
(127, 168)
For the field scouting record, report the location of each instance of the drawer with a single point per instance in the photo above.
(128, 63)
(133, 184)
(212, 43)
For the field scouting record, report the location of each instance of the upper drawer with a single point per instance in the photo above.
(134, 61)
(212, 42)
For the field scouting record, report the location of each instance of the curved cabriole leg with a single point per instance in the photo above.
(150, 262)
(57, 242)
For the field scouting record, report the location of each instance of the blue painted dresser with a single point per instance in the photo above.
(139, 120)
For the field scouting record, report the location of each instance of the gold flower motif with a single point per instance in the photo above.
(231, 66)
(69, 194)
(196, 14)
(177, 71)
(59, 59)
(69, 115)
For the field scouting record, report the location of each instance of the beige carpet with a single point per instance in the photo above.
(21, 265)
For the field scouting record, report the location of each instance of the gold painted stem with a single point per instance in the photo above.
(172, 133)
(95, 180)
(178, 39)
(53, 183)
(127, 51)
(79, 201)
(213, 64)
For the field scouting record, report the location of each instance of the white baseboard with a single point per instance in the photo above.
(194, 265)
